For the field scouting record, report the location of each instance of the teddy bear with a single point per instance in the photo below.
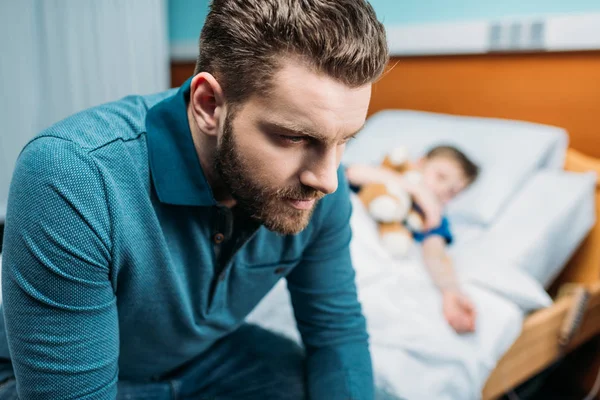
(392, 207)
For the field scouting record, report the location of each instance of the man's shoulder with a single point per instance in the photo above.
(123, 119)
(63, 153)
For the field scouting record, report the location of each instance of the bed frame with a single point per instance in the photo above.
(538, 346)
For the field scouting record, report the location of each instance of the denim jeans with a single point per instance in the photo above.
(251, 363)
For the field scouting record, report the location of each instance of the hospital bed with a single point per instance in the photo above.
(527, 226)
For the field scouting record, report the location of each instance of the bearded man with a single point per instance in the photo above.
(141, 233)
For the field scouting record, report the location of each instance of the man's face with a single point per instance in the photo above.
(278, 155)
(444, 177)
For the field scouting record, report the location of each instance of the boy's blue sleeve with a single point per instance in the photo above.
(443, 230)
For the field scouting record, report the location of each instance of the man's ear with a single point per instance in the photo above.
(206, 102)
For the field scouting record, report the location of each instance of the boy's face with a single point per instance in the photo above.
(443, 176)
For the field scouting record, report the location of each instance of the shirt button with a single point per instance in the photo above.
(219, 238)
(280, 271)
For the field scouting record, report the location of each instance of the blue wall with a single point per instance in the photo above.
(185, 19)
(186, 16)
(417, 11)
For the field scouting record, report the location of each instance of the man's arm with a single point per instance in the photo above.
(327, 309)
(59, 306)
(458, 309)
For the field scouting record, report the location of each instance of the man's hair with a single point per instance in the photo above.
(243, 42)
(469, 168)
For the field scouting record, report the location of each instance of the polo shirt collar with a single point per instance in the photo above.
(174, 165)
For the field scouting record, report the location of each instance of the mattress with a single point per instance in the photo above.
(416, 355)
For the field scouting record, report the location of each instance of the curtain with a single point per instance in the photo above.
(62, 56)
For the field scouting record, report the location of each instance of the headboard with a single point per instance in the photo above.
(561, 89)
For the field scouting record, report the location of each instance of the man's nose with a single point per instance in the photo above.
(321, 175)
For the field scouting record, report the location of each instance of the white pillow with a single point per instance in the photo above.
(543, 224)
(507, 151)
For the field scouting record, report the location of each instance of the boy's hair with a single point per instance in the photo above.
(243, 41)
(469, 168)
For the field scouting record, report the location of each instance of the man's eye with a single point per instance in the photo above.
(294, 139)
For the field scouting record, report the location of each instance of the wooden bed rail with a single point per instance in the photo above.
(537, 347)
(584, 266)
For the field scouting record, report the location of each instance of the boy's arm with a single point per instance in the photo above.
(458, 309)
(439, 264)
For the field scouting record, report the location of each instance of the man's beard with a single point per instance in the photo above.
(268, 205)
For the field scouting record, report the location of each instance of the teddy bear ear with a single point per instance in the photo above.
(398, 156)
(384, 208)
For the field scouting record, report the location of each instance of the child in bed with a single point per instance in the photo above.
(446, 171)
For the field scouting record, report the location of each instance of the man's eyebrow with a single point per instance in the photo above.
(297, 130)
(293, 129)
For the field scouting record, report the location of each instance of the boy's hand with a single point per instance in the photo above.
(459, 312)
(429, 204)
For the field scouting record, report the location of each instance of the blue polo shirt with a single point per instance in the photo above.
(110, 266)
